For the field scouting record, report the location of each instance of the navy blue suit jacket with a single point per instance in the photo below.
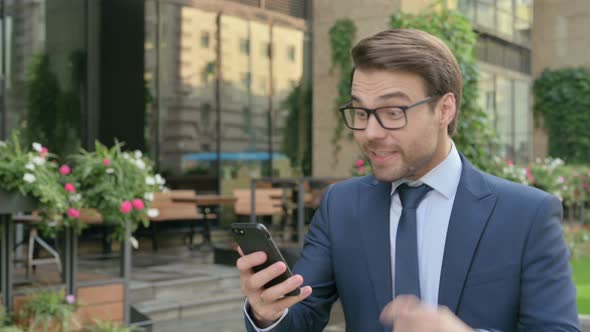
(505, 265)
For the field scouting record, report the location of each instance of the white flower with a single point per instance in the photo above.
(150, 181)
(160, 179)
(30, 178)
(37, 147)
(110, 170)
(138, 154)
(30, 166)
(38, 160)
(152, 213)
(148, 196)
(126, 155)
(140, 164)
(2, 143)
(75, 197)
(134, 242)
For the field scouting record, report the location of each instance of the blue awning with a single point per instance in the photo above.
(243, 156)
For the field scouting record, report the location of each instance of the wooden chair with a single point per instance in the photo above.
(269, 202)
(173, 211)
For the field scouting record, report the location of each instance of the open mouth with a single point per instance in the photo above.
(382, 156)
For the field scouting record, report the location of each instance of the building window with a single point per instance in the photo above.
(506, 100)
(263, 84)
(267, 50)
(205, 39)
(291, 53)
(508, 19)
(246, 79)
(245, 46)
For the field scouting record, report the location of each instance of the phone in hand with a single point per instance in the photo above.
(253, 237)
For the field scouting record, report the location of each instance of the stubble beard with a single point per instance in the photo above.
(402, 169)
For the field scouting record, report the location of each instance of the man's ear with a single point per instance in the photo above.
(448, 109)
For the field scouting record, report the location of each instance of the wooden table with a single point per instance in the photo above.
(205, 203)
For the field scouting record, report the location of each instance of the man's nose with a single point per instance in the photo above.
(374, 129)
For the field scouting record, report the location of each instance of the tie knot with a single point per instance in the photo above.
(412, 196)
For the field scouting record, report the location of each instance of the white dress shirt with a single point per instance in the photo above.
(432, 217)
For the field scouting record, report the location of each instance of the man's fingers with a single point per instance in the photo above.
(247, 262)
(401, 305)
(289, 301)
(240, 251)
(278, 291)
(259, 279)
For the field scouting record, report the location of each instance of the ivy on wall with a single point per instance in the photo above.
(342, 35)
(562, 100)
(475, 136)
(297, 133)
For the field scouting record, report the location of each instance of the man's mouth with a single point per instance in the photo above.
(382, 156)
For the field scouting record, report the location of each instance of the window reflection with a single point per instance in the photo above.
(509, 19)
(260, 63)
(506, 101)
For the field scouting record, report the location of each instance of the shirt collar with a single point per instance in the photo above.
(444, 178)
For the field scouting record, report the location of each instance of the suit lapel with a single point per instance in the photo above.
(472, 207)
(373, 221)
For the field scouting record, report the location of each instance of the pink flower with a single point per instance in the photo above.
(360, 163)
(126, 207)
(73, 213)
(138, 204)
(70, 187)
(64, 169)
(43, 152)
(106, 162)
(529, 175)
(361, 170)
(510, 163)
(585, 185)
(70, 299)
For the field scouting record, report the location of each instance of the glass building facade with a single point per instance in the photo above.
(221, 74)
(200, 85)
(504, 56)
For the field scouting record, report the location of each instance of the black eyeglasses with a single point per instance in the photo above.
(389, 117)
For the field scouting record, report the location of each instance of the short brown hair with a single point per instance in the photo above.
(417, 52)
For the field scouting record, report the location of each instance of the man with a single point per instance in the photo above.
(428, 242)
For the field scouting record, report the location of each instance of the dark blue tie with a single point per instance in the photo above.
(407, 278)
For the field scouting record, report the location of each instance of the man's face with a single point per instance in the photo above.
(409, 152)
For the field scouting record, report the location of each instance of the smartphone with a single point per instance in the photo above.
(252, 237)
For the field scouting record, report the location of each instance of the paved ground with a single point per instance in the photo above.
(180, 263)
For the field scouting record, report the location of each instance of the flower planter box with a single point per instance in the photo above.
(14, 202)
(103, 302)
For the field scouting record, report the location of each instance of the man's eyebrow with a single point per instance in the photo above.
(396, 94)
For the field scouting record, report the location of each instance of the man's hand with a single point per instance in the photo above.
(407, 314)
(267, 305)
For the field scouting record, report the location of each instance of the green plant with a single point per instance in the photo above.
(475, 137)
(108, 326)
(297, 135)
(118, 184)
(562, 100)
(5, 325)
(342, 35)
(35, 172)
(47, 309)
(53, 114)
